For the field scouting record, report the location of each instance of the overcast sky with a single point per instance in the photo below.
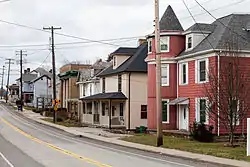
(91, 19)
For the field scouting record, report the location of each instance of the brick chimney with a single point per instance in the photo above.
(28, 70)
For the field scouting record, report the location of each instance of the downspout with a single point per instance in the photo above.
(129, 76)
(218, 92)
(177, 91)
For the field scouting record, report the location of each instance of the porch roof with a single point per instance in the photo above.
(179, 100)
(110, 95)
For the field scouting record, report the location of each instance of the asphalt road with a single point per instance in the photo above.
(25, 143)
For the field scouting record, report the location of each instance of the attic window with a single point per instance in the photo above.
(149, 45)
(189, 42)
(164, 44)
(114, 59)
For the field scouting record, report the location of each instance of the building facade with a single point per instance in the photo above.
(188, 58)
(122, 101)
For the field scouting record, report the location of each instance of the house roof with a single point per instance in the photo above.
(111, 95)
(36, 79)
(42, 71)
(201, 27)
(225, 29)
(169, 21)
(135, 63)
(125, 51)
(28, 77)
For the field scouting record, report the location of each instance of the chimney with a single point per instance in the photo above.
(50, 70)
(142, 41)
(25, 71)
(28, 70)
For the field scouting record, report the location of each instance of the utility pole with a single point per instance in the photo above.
(2, 83)
(21, 76)
(8, 79)
(53, 67)
(158, 76)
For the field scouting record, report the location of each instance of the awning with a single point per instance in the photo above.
(179, 100)
(101, 96)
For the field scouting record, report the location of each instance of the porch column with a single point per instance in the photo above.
(86, 109)
(61, 92)
(80, 111)
(110, 120)
(93, 111)
(100, 108)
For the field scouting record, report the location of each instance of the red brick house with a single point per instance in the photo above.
(186, 55)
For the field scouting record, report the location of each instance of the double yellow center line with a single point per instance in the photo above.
(82, 158)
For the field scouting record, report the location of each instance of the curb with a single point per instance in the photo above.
(158, 150)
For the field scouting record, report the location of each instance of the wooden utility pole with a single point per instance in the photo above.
(8, 79)
(158, 76)
(53, 67)
(2, 83)
(21, 54)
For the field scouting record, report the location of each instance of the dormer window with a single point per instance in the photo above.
(189, 44)
(164, 44)
(114, 61)
(149, 45)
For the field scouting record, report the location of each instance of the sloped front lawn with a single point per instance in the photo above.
(215, 149)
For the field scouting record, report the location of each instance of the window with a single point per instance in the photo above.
(165, 111)
(121, 109)
(234, 112)
(144, 114)
(119, 83)
(114, 59)
(202, 69)
(164, 44)
(189, 44)
(103, 85)
(183, 74)
(165, 75)
(103, 109)
(90, 89)
(149, 45)
(201, 114)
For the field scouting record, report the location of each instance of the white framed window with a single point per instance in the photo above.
(202, 115)
(150, 45)
(183, 73)
(164, 42)
(165, 111)
(189, 43)
(201, 68)
(165, 74)
(235, 111)
(114, 61)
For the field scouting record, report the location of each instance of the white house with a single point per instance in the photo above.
(121, 100)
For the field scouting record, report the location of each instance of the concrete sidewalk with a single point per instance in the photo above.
(99, 134)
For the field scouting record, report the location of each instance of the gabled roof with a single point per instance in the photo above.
(225, 29)
(135, 63)
(28, 77)
(124, 51)
(36, 79)
(42, 71)
(204, 27)
(169, 21)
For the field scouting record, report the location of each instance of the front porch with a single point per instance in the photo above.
(104, 110)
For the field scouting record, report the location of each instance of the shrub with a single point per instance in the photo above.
(59, 120)
(202, 133)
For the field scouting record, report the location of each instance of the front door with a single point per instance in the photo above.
(183, 117)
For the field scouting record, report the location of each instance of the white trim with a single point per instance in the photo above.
(197, 70)
(197, 110)
(196, 32)
(181, 73)
(166, 122)
(165, 66)
(165, 34)
(150, 40)
(163, 62)
(167, 38)
(195, 54)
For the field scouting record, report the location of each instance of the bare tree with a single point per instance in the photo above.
(228, 94)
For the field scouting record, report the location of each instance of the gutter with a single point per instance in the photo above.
(218, 92)
(129, 105)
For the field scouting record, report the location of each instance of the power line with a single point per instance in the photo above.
(221, 21)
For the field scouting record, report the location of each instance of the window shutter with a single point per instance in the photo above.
(196, 71)
(180, 74)
(197, 114)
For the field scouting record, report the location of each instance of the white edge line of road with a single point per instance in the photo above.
(6, 160)
(93, 144)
